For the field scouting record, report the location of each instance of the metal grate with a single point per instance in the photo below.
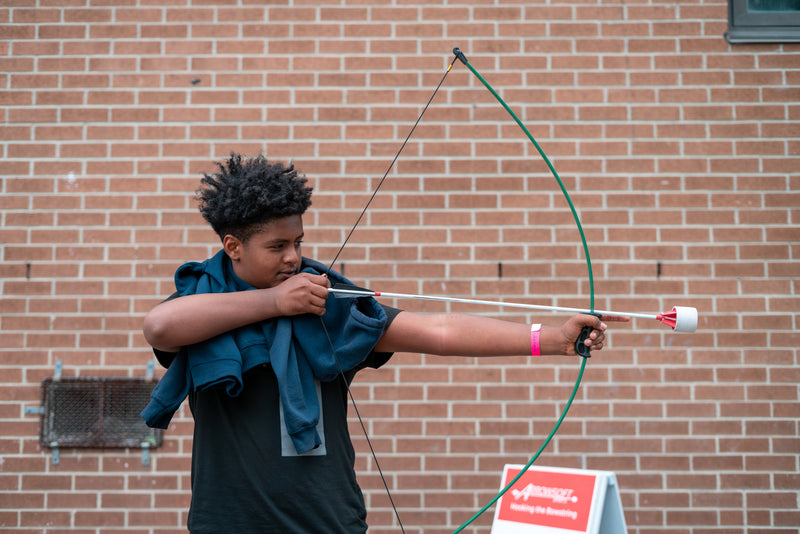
(96, 412)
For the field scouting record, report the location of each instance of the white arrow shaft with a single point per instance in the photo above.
(357, 293)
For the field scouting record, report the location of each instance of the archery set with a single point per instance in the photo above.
(679, 318)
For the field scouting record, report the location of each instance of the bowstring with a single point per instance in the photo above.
(330, 268)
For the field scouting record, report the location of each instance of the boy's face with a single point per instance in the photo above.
(269, 256)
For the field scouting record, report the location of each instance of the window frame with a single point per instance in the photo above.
(746, 26)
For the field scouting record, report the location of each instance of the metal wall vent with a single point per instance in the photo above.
(97, 412)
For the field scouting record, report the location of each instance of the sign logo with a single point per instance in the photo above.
(557, 495)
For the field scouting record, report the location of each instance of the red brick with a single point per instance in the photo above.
(680, 148)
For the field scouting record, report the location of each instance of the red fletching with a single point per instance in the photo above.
(669, 318)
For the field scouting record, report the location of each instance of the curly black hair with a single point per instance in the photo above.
(248, 193)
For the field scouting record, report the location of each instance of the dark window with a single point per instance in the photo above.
(763, 21)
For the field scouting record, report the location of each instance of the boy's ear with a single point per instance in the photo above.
(232, 246)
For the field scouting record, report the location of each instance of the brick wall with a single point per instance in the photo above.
(680, 152)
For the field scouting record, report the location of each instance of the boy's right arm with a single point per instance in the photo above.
(191, 319)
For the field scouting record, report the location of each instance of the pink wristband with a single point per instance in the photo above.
(535, 329)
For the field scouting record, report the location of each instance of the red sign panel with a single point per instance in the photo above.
(548, 498)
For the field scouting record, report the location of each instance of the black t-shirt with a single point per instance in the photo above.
(246, 477)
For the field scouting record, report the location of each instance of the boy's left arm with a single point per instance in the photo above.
(450, 334)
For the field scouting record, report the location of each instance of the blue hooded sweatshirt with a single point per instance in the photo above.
(297, 347)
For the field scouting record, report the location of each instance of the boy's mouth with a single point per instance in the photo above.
(285, 275)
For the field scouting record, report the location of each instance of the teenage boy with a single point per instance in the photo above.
(263, 353)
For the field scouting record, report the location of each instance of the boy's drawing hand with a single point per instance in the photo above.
(302, 293)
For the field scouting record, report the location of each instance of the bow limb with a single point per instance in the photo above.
(460, 55)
